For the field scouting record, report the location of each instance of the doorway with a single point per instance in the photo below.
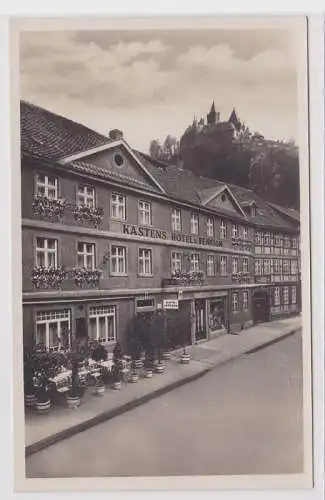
(261, 306)
(200, 320)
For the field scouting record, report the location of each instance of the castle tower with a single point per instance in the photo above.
(212, 115)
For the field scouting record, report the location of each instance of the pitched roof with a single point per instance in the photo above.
(48, 135)
(288, 212)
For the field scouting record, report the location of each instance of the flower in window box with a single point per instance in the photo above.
(48, 277)
(48, 207)
(84, 213)
(86, 277)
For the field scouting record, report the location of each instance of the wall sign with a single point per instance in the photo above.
(161, 234)
(170, 304)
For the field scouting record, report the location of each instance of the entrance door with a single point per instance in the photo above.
(200, 323)
(261, 307)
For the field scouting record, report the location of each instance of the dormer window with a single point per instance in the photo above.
(253, 209)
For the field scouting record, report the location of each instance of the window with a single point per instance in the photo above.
(144, 213)
(277, 240)
(223, 230)
(276, 296)
(47, 185)
(286, 267)
(253, 210)
(53, 327)
(86, 255)
(245, 301)
(235, 265)
(276, 266)
(223, 265)
(234, 231)
(294, 242)
(245, 264)
(267, 238)
(176, 220)
(194, 224)
(258, 267)
(267, 267)
(118, 159)
(145, 262)
(210, 228)
(293, 295)
(234, 302)
(195, 260)
(285, 295)
(102, 323)
(258, 238)
(294, 267)
(118, 206)
(286, 242)
(85, 196)
(118, 260)
(176, 261)
(46, 252)
(245, 233)
(210, 265)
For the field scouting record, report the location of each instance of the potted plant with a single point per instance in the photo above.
(76, 388)
(148, 364)
(185, 356)
(158, 335)
(99, 389)
(43, 400)
(117, 374)
(29, 388)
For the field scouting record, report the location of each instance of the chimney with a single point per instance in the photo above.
(115, 134)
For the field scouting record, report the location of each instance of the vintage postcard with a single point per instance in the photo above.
(161, 226)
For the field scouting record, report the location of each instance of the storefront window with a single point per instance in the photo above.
(217, 315)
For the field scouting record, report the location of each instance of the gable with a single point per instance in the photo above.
(223, 202)
(222, 199)
(119, 162)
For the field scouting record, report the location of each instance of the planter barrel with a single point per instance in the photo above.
(185, 358)
(117, 386)
(99, 390)
(73, 401)
(166, 355)
(160, 368)
(134, 377)
(30, 400)
(138, 364)
(42, 406)
(148, 373)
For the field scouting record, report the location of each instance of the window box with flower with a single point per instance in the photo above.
(185, 278)
(88, 214)
(51, 208)
(48, 277)
(85, 277)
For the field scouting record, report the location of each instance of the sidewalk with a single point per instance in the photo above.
(44, 430)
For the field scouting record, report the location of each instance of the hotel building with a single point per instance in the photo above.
(108, 233)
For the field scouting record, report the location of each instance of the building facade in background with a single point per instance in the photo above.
(108, 234)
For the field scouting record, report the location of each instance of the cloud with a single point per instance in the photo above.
(159, 73)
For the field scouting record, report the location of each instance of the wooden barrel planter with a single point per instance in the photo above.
(43, 406)
(159, 368)
(99, 390)
(147, 373)
(138, 364)
(185, 358)
(134, 377)
(30, 400)
(117, 385)
(166, 355)
(73, 401)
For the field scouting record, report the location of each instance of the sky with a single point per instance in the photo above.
(151, 83)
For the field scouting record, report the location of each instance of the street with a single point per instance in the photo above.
(245, 417)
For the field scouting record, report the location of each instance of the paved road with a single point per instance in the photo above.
(243, 418)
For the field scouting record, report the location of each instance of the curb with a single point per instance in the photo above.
(273, 341)
(130, 405)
